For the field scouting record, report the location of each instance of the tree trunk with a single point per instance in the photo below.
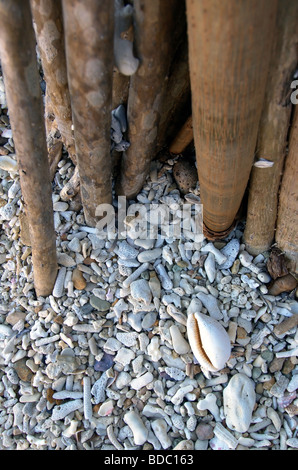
(287, 220)
(48, 22)
(21, 78)
(229, 51)
(176, 105)
(88, 27)
(177, 102)
(153, 29)
(183, 138)
(273, 131)
(120, 89)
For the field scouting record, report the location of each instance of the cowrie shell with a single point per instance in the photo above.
(209, 341)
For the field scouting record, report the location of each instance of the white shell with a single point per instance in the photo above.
(209, 341)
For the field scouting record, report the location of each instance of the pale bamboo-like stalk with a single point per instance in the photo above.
(88, 28)
(229, 52)
(287, 221)
(273, 132)
(48, 23)
(153, 27)
(21, 78)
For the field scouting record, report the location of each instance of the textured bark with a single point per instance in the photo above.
(229, 51)
(53, 136)
(177, 102)
(21, 78)
(153, 26)
(183, 138)
(176, 105)
(273, 131)
(120, 88)
(287, 220)
(55, 155)
(48, 22)
(88, 27)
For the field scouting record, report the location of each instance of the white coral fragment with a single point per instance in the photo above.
(139, 430)
(239, 399)
(209, 403)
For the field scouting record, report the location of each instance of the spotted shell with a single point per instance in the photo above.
(209, 341)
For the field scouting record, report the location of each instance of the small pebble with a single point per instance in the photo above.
(60, 206)
(149, 255)
(140, 290)
(78, 279)
(204, 431)
(99, 304)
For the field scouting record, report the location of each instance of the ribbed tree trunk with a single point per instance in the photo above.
(287, 220)
(183, 137)
(88, 27)
(48, 22)
(153, 29)
(273, 131)
(21, 78)
(176, 105)
(229, 51)
(177, 102)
